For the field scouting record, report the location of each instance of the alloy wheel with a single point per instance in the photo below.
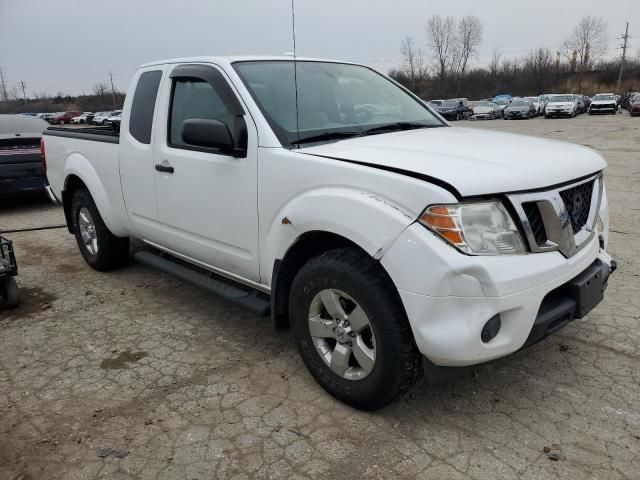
(88, 230)
(342, 334)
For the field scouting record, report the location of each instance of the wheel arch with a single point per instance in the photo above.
(80, 173)
(307, 246)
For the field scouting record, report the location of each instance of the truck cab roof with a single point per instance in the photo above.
(241, 58)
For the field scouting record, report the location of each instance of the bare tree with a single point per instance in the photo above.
(100, 89)
(589, 40)
(441, 37)
(467, 42)
(413, 61)
(494, 65)
(538, 64)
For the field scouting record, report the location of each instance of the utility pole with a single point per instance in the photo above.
(24, 95)
(625, 37)
(113, 91)
(4, 87)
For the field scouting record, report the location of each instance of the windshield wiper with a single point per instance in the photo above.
(391, 127)
(327, 136)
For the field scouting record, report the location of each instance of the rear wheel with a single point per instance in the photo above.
(9, 292)
(100, 248)
(352, 331)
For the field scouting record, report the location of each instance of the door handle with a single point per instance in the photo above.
(164, 168)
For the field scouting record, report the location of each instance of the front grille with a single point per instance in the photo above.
(577, 201)
(602, 106)
(532, 212)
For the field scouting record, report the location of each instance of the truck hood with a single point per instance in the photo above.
(472, 161)
(602, 102)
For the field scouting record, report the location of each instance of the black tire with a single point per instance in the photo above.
(112, 252)
(398, 363)
(9, 292)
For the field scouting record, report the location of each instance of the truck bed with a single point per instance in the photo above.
(96, 134)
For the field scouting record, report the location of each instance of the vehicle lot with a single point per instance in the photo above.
(193, 387)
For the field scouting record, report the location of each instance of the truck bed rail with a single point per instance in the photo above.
(96, 134)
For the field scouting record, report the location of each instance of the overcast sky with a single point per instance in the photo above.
(68, 45)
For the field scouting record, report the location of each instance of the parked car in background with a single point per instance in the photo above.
(113, 120)
(537, 103)
(435, 103)
(485, 109)
(520, 108)
(21, 166)
(634, 105)
(453, 109)
(65, 118)
(425, 243)
(100, 117)
(502, 101)
(544, 99)
(603, 103)
(564, 105)
(82, 118)
(580, 103)
(47, 116)
(96, 114)
(627, 98)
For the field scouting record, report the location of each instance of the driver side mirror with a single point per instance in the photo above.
(205, 133)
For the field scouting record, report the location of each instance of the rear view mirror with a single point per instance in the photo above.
(205, 133)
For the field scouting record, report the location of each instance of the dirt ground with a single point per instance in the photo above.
(134, 375)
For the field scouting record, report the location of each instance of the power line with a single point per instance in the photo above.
(625, 37)
(4, 87)
(113, 91)
(23, 86)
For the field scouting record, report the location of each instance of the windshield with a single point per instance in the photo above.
(484, 104)
(333, 98)
(604, 96)
(561, 98)
(502, 101)
(531, 99)
(519, 103)
(451, 103)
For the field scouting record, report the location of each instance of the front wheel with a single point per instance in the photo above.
(351, 329)
(100, 248)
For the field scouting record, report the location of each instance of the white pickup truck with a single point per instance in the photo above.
(329, 196)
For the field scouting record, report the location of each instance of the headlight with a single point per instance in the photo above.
(482, 228)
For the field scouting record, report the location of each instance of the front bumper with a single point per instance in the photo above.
(602, 109)
(449, 297)
(512, 115)
(558, 113)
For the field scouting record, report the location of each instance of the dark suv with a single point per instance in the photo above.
(454, 109)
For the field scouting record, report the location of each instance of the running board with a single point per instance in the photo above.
(244, 297)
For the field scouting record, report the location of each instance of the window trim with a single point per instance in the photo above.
(212, 76)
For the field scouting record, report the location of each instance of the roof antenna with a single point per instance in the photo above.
(295, 69)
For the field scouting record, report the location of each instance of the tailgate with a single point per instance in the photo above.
(20, 150)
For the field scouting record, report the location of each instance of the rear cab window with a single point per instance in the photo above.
(143, 106)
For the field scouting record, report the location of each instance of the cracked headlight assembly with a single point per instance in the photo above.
(475, 228)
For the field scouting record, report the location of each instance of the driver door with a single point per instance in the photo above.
(207, 199)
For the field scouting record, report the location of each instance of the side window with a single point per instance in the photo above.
(195, 98)
(143, 104)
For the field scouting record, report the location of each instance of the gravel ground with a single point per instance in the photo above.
(132, 374)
